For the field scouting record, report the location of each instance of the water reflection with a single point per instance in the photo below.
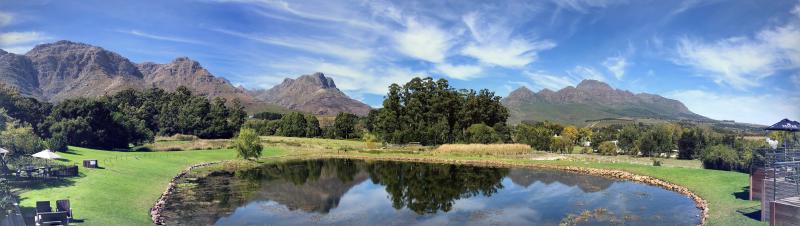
(353, 192)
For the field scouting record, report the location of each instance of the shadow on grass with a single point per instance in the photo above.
(71, 152)
(751, 212)
(744, 194)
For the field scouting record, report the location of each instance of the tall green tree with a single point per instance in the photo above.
(628, 139)
(312, 126)
(248, 144)
(345, 125)
(293, 125)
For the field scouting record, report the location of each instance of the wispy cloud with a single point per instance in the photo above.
(320, 47)
(584, 72)
(461, 72)
(585, 5)
(20, 42)
(423, 41)
(550, 81)
(329, 7)
(742, 62)
(748, 108)
(616, 65)
(494, 44)
(160, 37)
(5, 18)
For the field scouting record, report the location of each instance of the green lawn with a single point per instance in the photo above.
(126, 188)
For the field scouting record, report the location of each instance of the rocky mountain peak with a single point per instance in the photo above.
(317, 79)
(314, 93)
(593, 85)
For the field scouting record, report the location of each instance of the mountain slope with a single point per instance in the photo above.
(591, 100)
(314, 94)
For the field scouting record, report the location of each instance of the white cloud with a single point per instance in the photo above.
(616, 65)
(423, 41)
(321, 47)
(336, 13)
(160, 37)
(742, 62)
(5, 18)
(585, 5)
(494, 44)
(462, 72)
(762, 109)
(17, 38)
(20, 42)
(549, 81)
(583, 72)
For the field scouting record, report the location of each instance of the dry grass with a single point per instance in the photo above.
(485, 149)
(185, 145)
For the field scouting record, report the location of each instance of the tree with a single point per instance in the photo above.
(267, 115)
(628, 137)
(570, 134)
(293, 125)
(607, 148)
(20, 139)
(692, 141)
(482, 134)
(248, 144)
(237, 114)
(584, 135)
(560, 144)
(312, 126)
(87, 123)
(503, 132)
(218, 125)
(656, 140)
(537, 136)
(345, 125)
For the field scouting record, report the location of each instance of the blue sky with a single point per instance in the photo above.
(737, 59)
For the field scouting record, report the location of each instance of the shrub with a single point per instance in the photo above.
(559, 144)
(720, 157)
(56, 143)
(482, 134)
(607, 148)
(248, 144)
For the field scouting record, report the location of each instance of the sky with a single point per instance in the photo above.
(727, 60)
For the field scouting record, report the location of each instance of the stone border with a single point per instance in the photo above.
(700, 203)
(155, 212)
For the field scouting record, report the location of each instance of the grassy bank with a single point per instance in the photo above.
(123, 191)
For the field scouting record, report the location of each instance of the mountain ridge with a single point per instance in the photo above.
(57, 71)
(591, 100)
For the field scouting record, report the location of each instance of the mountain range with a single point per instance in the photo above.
(592, 100)
(62, 70)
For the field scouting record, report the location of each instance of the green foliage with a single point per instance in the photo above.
(537, 136)
(657, 140)
(692, 141)
(312, 126)
(720, 157)
(560, 145)
(268, 115)
(248, 144)
(292, 125)
(570, 134)
(345, 125)
(263, 127)
(503, 132)
(88, 123)
(431, 112)
(483, 134)
(628, 139)
(56, 143)
(20, 140)
(607, 148)
(25, 109)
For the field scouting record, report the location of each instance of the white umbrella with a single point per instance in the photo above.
(46, 154)
(4, 151)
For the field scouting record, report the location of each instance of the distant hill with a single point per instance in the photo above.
(62, 70)
(592, 100)
(314, 94)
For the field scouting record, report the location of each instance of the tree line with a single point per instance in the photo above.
(129, 117)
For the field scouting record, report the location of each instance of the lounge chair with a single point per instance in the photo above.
(43, 207)
(52, 218)
(63, 206)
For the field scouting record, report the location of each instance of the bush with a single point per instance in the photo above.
(720, 157)
(248, 144)
(559, 144)
(607, 148)
(482, 134)
(56, 143)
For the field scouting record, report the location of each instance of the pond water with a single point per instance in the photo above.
(355, 192)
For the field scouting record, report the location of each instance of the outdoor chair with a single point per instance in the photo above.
(52, 218)
(63, 206)
(43, 207)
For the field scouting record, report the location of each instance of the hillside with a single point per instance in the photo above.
(314, 94)
(62, 70)
(592, 100)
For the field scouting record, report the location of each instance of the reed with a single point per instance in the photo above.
(485, 149)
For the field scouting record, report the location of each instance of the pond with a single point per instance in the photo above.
(356, 192)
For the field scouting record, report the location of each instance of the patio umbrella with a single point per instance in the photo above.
(46, 154)
(4, 151)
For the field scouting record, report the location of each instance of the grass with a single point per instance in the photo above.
(180, 145)
(484, 149)
(126, 188)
